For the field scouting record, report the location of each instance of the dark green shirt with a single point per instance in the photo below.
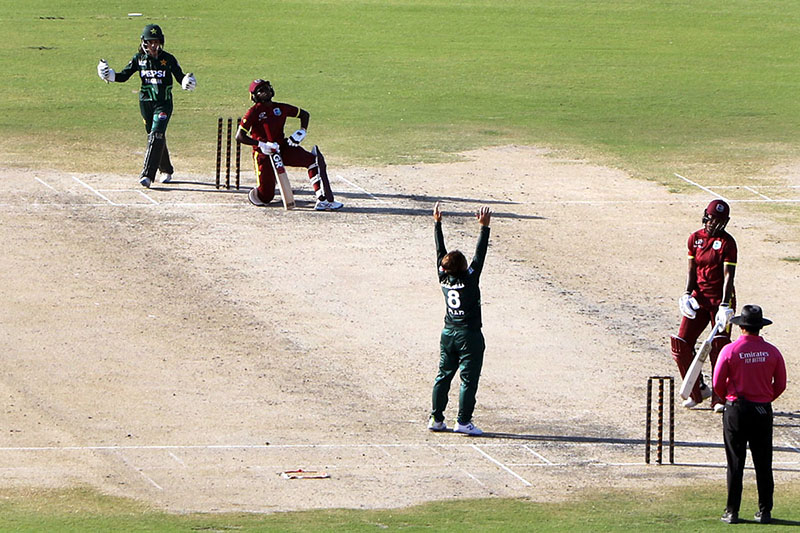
(462, 294)
(156, 74)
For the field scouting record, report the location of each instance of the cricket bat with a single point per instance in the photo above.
(283, 181)
(697, 365)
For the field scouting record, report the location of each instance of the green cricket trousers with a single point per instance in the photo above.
(460, 349)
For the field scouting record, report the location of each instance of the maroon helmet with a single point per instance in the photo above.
(716, 216)
(257, 84)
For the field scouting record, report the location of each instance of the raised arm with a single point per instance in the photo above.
(438, 236)
(484, 216)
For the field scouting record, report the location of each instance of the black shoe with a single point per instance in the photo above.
(730, 517)
(763, 517)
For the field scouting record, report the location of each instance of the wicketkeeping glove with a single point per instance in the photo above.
(105, 72)
(189, 82)
(268, 148)
(297, 137)
(688, 306)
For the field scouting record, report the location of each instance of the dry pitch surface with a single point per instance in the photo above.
(182, 347)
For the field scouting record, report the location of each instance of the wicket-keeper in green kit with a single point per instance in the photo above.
(156, 69)
(461, 344)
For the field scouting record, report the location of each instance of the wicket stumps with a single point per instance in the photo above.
(230, 137)
(660, 439)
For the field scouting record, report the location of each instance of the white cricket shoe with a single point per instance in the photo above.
(689, 403)
(254, 199)
(144, 181)
(467, 429)
(705, 391)
(718, 408)
(324, 205)
(433, 425)
(165, 178)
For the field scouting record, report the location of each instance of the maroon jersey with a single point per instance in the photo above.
(710, 255)
(265, 121)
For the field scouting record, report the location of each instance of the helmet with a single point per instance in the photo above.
(152, 32)
(256, 84)
(718, 213)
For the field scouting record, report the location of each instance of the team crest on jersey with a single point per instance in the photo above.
(262, 115)
(276, 111)
(717, 245)
(698, 243)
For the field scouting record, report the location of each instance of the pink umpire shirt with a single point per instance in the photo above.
(750, 368)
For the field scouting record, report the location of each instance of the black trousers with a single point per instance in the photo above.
(745, 422)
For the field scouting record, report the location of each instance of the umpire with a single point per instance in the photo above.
(750, 374)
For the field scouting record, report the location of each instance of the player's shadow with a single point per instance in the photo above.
(423, 198)
(411, 211)
(212, 188)
(206, 187)
(779, 416)
(386, 209)
(613, 440)
(773, 522)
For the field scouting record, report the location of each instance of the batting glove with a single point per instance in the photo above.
(189, 82)
(297, 137)
(106, 74)
(268, 148)
(724, 314)
(688, 306)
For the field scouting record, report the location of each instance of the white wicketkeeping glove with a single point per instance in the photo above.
(268, 148)
(189, 82)
(724, 314)
(688, 306)
(297, 137)
(105, 72)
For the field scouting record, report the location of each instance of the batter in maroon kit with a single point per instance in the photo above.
(262, 128)
(709, 296)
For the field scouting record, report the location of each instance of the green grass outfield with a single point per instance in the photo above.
(653, 86)
(695, 509)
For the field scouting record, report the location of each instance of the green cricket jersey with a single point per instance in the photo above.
(156, 74)
(462, 295)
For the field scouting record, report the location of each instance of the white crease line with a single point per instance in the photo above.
(540, 456)
(361, 189)
(45, 184)
(178, 459)
(786, 201)
(279, 446)
(481, 483)
(156, 485)
(752, 190)
(501, 465)
(709, 191)
(312, 445)
(143, 194)
(383, 449)
(760, 186)
(791, 444)
(435, 447)
(95, 191)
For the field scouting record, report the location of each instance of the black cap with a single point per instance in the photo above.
(751, 318)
